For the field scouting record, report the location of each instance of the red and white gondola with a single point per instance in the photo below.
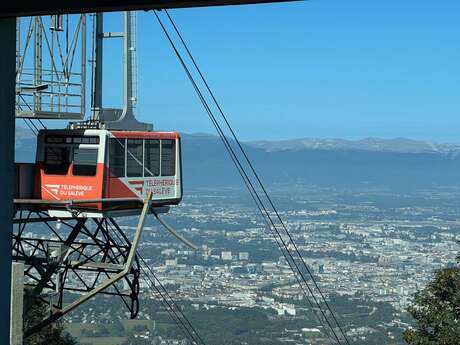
(106, 166)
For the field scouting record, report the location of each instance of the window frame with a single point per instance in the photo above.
(133, 157)
(158, 158)
(124, 142)
(173, 158)
(65, 162)
(119, 142)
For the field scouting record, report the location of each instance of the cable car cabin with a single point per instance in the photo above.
(102, 164)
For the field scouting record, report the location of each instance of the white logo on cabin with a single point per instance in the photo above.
(54, 188)
(66, 190)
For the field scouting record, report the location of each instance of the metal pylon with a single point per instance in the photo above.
(77, 258)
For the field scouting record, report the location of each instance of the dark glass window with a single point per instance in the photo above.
(84, 162)
(134, 157)
(53, 139)
(56, 160)
(92, 140)
(152, 157)
(117, 157)
(168, 158)
(74, 139)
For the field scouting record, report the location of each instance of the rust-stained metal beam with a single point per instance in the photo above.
(21, 8)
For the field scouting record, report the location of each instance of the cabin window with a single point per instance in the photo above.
(54, 139)
(117, 157)
(134, 158)
(82, 139)
(84, 162)
(168, 158)
(138, 157)
(56, 160)
(152, 158)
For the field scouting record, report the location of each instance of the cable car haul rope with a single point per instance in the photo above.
(158, 289)
(321, 308)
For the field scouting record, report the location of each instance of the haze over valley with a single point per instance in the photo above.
(399, 164)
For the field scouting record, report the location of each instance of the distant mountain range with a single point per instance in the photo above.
(400, 145)
(400, 163)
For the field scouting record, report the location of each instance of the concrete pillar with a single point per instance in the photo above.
(7, 128)
(17, 304)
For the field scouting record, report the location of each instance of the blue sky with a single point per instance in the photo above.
(349, 69)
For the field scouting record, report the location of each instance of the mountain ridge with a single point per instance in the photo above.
(400, 145)
(375, 144)
(401, 164)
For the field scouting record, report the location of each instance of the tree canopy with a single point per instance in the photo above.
(436, 310)
(35, 310)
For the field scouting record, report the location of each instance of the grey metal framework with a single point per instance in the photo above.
(125, 118)
(51, 67)
(81, 254)
(86, 256)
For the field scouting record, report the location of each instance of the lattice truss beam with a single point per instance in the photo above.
(51, 66)
(75, 255)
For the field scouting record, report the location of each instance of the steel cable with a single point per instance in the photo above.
(171, 306)
(248, 182)
(256, 175)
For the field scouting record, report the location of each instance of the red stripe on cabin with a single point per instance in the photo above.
(117, 189)
(145, 135)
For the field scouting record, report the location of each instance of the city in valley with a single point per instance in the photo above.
(370, 250)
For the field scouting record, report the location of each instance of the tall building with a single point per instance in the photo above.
(243, 256)
(226, 255)
(171, 262)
